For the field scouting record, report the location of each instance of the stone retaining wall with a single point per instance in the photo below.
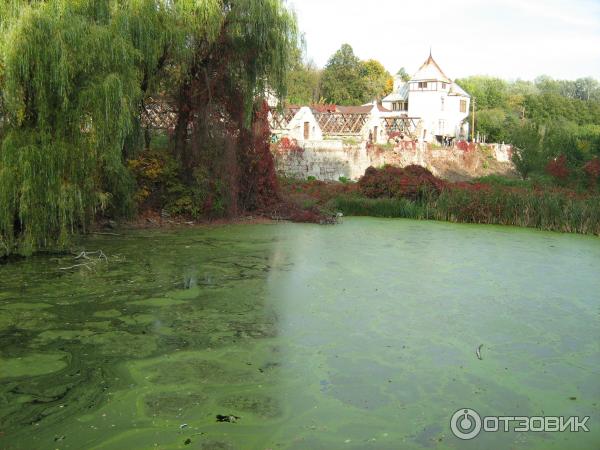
(329, 160)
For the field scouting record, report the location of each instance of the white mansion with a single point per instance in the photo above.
(439, 105)
(430, 107)
(329, 141)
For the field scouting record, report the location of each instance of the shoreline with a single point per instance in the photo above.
(147, 221)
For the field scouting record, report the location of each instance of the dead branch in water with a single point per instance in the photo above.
(86, 265)
(86, 255)
(91, 258)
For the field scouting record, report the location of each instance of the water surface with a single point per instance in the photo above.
(356, 336)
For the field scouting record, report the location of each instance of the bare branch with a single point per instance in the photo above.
(92, 258)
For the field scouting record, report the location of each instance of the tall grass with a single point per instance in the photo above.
(381, 207)
(551, 211)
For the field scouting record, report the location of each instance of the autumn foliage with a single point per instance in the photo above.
(466, 146)
(411, 182)
(289, 145)
(592, 170)
(558, 168)
(257, 184)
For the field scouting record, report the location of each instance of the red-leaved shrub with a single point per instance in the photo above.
(411, 182)
(592, 169)
(466, 146)
(558, 168)
(289, 145)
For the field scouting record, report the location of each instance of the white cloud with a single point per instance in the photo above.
(507, 38)
(574, 14)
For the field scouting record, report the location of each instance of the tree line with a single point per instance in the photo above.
(550, 122)
(345, 80)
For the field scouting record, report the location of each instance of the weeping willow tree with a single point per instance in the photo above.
(70, 92)
(74, 75)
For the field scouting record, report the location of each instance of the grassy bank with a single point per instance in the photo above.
(416, 194)
(545, 211)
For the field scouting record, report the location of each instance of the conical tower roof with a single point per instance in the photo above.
(430, 71)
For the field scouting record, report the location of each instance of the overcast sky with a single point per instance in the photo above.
(506, 38)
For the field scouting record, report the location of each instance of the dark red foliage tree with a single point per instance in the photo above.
(258, 183)
(222, 135)
(558, 168)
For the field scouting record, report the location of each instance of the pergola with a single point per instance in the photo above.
(281, 119)
(159, 114)
(341, 123)
(402, 124)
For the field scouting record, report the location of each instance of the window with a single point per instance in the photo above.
(422, 84)
(463, 106)
(443, 101)
(443, 85)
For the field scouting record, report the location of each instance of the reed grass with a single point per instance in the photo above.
(550, 211)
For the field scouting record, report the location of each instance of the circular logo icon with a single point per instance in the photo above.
(465, 424)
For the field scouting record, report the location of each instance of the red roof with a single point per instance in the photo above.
(355, 109)
(323, 108)
(318, 107)
(331, 108)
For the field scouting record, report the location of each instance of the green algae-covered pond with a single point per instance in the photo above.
(356, 336)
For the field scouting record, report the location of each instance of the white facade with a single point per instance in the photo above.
(303, 127)
(439, 105)
(374, 129)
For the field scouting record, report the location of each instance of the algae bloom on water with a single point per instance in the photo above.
(370, 334)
